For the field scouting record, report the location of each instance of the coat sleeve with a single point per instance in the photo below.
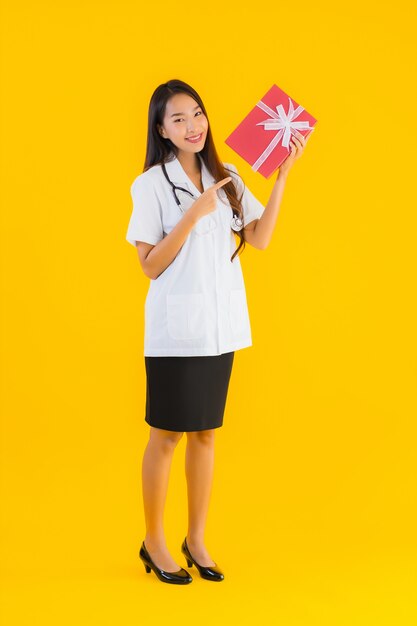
(252, 208)
(146, 219)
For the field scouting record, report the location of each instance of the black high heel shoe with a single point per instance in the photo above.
(180, 577)
(211, 572)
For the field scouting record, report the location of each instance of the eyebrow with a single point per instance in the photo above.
(174, 114)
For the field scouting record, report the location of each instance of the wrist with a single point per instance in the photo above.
(282, 174)
(190, 217)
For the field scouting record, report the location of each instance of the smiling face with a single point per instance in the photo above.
(184, 123)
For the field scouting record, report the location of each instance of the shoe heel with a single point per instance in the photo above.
(189, 563)
(147, 568)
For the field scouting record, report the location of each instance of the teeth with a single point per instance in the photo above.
(194, 138)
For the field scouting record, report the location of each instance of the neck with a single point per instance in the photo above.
(190, 162)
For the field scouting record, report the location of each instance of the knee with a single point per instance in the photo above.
(205, 437)
(168, 439)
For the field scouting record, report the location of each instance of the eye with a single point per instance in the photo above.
(181, 118)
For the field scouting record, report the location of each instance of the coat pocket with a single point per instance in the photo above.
(238, 311)
(186, 316)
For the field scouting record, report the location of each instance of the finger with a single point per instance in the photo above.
(300, 136)
(222, 182)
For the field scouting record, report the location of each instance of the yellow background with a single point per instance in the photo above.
(313, 510)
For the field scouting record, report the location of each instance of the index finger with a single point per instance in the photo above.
(221, 183)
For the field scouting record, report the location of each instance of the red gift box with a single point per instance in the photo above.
(263, 137)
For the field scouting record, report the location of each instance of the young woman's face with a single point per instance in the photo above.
(184, 120)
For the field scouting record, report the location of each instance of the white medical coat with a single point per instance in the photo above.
(197, 305)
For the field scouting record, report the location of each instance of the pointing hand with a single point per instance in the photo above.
(207, 202)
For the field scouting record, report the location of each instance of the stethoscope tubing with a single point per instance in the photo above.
(236, 223)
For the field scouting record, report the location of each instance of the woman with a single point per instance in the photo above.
(188, 207)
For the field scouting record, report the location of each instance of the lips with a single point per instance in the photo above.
(195, 139)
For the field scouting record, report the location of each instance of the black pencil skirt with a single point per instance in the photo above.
(187, 393)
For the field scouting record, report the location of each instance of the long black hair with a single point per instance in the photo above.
(158, 149)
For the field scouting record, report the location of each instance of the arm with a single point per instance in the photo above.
(155, 259)
(259, 232)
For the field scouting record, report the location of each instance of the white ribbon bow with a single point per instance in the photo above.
(284, 123)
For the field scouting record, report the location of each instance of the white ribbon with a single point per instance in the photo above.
(284, 123)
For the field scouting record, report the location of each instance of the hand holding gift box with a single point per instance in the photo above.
(265, 142)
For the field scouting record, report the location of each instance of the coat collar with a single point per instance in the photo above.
(178, 176)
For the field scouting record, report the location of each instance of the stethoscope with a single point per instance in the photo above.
(235, 223)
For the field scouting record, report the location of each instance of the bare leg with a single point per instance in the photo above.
(156, 466)
(199, 465)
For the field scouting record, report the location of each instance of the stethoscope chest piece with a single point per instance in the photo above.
(236, 223)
